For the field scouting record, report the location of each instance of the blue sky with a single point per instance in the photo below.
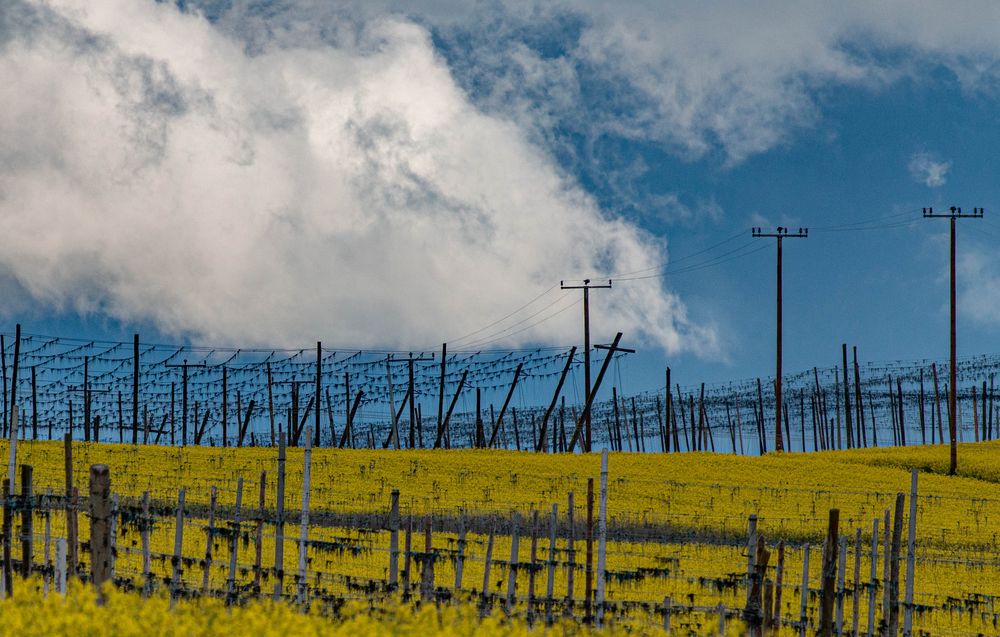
(383, 174)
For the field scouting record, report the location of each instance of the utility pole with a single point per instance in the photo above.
(586, 287)
(953, 214)
(780, 234)
(184, 396)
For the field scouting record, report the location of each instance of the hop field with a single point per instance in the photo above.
(677, 530)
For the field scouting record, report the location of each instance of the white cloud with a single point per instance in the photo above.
(926, 169)
(979, 286)
(733, 78)
(344, 189)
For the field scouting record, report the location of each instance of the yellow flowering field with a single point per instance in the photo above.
(677, 527)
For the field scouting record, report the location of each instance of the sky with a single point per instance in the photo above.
(397, 175)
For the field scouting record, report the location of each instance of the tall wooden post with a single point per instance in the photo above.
(279, 523)
(27, 519)
(135, 390)
(829, 574)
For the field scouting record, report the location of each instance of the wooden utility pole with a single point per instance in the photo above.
(780, 235)
(953, 214)
(184, 396)
(586, 287)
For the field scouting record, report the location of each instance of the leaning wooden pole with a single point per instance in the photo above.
(593, 391)
(506, 403)
(555, 399)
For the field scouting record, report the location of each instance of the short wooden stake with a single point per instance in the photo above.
(841, 571)
(100, 516)
(873, 579)
(60, 572)
(856, 586)
(460, 557)
(144, 527)
(235, 543)
(667, 606)
(550, 585)
(279, 522)
(512, 566)
(175, 578)
(27, 519)
(487, 562)
(259, 535)
(570, 555)
(911, 538)
(427, 566)
(804, 592)
(304, 518)
(394, 540)
(602, 537)
(209, 541)
(532, 565)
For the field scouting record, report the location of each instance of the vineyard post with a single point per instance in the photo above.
(175, 577)
(550, 585)
(304, 517)
(319, 392)
(427, 570)
(34, 404)
(12, 457)
(100, 537)
(13, 387)
(590, 553)
(862, 436)
(902, 421)
(394, 540)
(234, 544)
(602, 537)
(512, 566)
(209, 540)
(225, 409)
(487, 562)
(751, 555)
(778, 581)
(911, 538)
(47, 547)
(444, 369)
(270, 402)
(506, 403)
(721, 610)
(618, 426)
(531, 567)
(570, 554)
(856, 586)
(937, 407)
(460, 557)
(6, 406)
(829, 574)
(847, 400)
(113, 526)
(897, 536)
(667, 605)
(60, 574)
(407, 554)
(983, 419)
(27, 520)
(873, 579)
(886, 567)
(8, 575)
(279, 522)
(667, 403)
(923, 429)
(71, 508)
(259, 535)
(804, 593)
(767, 605)
(755, 614)
(975, 413)
(144, 523)
(841, 573)
(135, 389)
